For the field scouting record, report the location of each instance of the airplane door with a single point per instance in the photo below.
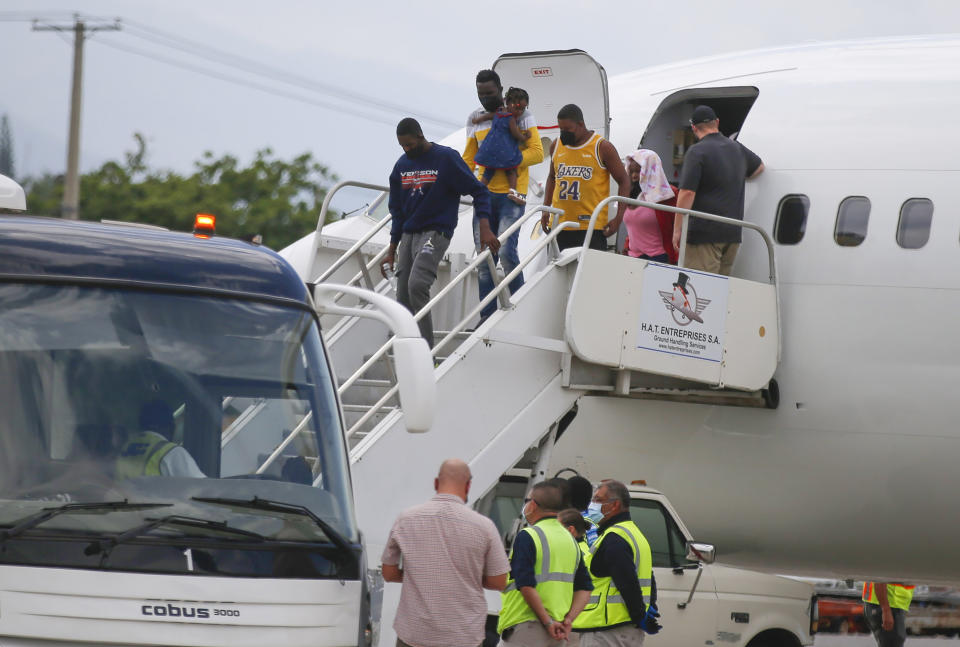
(554, 79)
(696, 624)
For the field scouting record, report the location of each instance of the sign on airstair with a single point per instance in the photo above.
(634, 315)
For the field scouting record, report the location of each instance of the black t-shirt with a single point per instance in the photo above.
(715, 168)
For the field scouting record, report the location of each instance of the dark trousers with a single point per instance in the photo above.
(873, 614)
(574, 238)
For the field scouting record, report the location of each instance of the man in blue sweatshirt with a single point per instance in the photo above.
(425, 188)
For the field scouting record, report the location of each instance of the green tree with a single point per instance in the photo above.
(279, 199)
(6, 148)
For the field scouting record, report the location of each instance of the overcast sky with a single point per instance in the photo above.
(393, 58)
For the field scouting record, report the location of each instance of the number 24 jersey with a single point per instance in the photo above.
(581, 181)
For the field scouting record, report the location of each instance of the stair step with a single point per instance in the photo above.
(440, 334)
(363, 408)
(373, 383)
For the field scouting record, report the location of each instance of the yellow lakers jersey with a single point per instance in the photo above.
(581, 181)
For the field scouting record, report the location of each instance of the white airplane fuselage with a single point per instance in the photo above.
(855, 473)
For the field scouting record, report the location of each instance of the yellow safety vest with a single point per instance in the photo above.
(141, 455)
(581, 181)
(899, 595)
(557, 559)
(606, 607)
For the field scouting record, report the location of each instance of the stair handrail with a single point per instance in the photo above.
(321, 220)
(504, 283)
(483, 256)
(686, 213)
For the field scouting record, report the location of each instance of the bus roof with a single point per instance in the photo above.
(51, 248)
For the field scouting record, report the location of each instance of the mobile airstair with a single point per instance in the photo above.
(585, 322)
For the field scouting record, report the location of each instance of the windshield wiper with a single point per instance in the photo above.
(26, 523)
(105, 546)
(256, 503)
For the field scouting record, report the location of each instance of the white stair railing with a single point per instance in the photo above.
(498, 292)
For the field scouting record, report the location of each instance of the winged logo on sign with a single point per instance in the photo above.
(683, 303)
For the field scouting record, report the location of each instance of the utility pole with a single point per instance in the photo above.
(71, 188)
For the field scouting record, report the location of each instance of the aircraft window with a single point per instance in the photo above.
(913, 230)
(852, 217)
(791, 219)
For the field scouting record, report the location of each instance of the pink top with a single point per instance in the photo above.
(446, 548)
(643, 232)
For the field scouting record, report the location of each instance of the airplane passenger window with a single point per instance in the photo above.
(791, 220)
(852, 217)
(913, 230)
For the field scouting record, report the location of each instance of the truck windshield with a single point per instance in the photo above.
(113, 395)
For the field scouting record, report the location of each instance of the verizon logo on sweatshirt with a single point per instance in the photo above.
(415, 181)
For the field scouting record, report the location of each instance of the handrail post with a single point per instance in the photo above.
(321, 219)
(503, 299)
(682, 252)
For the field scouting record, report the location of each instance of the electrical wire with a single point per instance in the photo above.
(246, 65)
(247, 83)
(252, 66)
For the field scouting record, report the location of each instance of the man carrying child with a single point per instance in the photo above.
(504, 211)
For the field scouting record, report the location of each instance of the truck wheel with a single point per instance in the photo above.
(775, 638)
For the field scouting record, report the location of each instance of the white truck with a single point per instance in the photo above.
(700, 602)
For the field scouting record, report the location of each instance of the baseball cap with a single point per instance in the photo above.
(702, 114)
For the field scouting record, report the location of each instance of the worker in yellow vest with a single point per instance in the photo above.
(885, 607)
(621, 609)
(549, 584)
(581, 165)
(151, 452)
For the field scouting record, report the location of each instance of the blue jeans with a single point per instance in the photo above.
(504, 213)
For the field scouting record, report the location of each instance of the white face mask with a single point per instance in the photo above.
(595, 512)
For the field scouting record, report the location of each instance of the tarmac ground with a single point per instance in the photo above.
(866, 640)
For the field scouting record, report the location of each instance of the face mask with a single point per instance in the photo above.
(635, 190)
(523, 513)
(594, 512)
(490, 103)
(567, 138)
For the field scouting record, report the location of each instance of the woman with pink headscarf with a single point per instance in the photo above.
(645, 235)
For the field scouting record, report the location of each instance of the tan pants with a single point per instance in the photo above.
(624, 636)
(530, 634)
(711, 257)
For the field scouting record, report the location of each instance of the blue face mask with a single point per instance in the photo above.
(595, 512)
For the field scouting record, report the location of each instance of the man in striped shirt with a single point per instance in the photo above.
(449, 554)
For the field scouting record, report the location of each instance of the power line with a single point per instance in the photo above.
(273, 73)
(250, 67)
(244, 82)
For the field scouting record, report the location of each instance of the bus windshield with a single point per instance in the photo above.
(208, 406)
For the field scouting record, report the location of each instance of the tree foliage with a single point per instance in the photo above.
(275, 198)
(6, 148)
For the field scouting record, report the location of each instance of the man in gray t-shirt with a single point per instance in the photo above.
(712, 180)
